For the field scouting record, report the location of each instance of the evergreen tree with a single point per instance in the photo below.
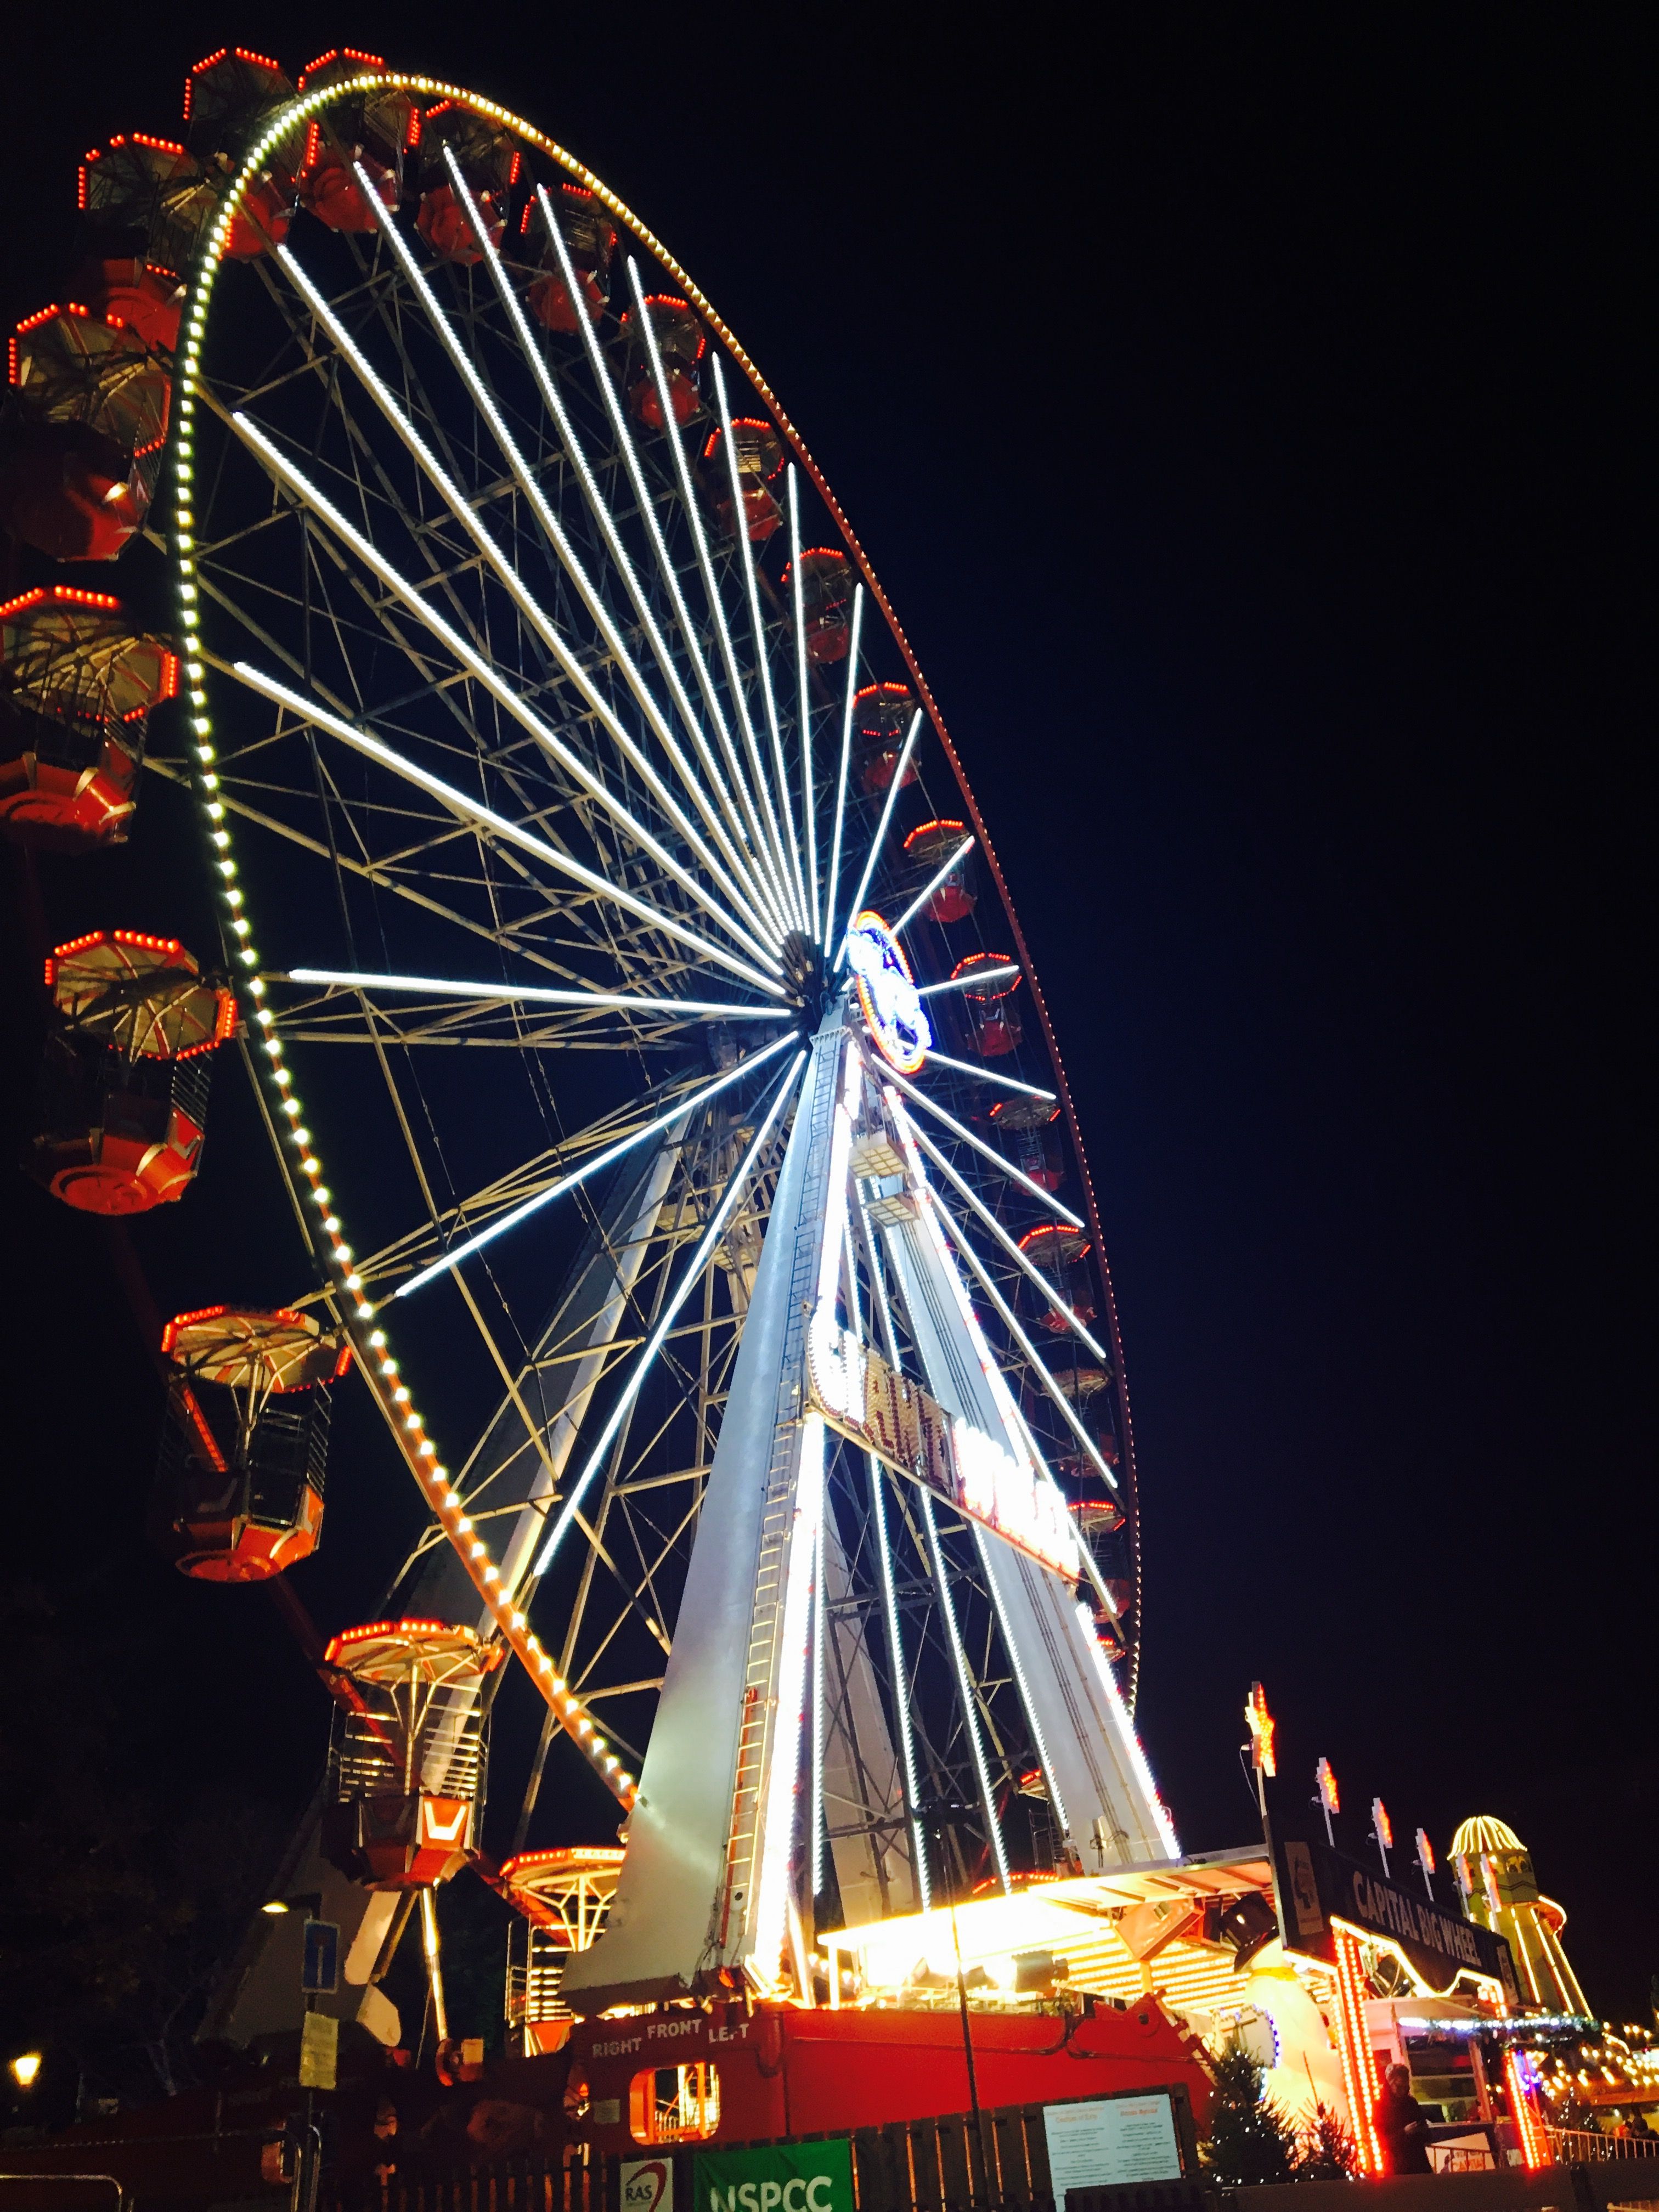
(1249, 2139)
(1327, 2151)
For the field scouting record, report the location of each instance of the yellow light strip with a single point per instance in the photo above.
(380, 1368)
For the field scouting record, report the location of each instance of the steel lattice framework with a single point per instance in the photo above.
(540, 786)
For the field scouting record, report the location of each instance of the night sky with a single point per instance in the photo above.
(1240, 408)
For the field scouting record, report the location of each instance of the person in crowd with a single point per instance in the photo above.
(1402, 2126)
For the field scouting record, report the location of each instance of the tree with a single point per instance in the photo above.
(124, 1879)
(1326, 2151)
(1249, 2139)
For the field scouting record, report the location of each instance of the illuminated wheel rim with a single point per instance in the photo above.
(533, 789)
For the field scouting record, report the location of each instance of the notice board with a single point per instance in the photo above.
(1105, 2141)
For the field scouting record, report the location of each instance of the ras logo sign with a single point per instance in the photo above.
(888, 994)
(648, 2186)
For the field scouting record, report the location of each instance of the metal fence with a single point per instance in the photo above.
(996, 2162)
(1584, 2146)
(532, 2183)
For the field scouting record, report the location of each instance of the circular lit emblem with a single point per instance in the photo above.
(888, 994)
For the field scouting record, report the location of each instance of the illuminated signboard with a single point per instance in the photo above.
(888, 994)
(860, 1395)
(1319, 1890)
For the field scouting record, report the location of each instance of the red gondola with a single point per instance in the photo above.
(1059, 1251)
(245, 1446)
(124, 1082)
(368, 131)
(682, 342)
(885, 712)
(928, 848)
(92, 403)
(563, 1896)
(406, 1767)
(489, 162)
(590, 238)
(826, 596)
(76, 686)
(1027, 1128)
(152, 185)
(230, 97)
(993, 1016)
(760, 463)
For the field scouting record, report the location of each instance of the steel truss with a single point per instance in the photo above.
(541, 830)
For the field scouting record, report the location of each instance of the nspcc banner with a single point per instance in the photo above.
(814, 2177)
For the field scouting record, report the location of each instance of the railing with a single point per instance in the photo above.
(1584, 2146)
(96, 2180)
(537, 2182)
(994, 2161)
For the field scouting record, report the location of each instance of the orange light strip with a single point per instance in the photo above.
(338, 54)
(1535, 2149)
(204, 1435)
(64, 595)
(927, 829)
(412, 1629)
(1033, 1242)
(987, 996)
(1354, 2044)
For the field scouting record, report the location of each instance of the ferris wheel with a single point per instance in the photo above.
(642, 1026)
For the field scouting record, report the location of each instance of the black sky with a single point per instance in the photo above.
(1241, 410)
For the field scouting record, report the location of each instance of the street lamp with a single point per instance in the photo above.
(25, 2068)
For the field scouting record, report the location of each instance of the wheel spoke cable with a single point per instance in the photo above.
(480, 669)
(530, 994)
(833, 884)
(653, 1344)
(762, 656)
(539, 621)
(1044, 1198)
(758, 865)
(453, 1258)
(990, 1075)
(876, 842)
(486, 817)
(809, 797)
(780, 871)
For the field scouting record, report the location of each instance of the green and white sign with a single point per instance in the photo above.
(809, 2177)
